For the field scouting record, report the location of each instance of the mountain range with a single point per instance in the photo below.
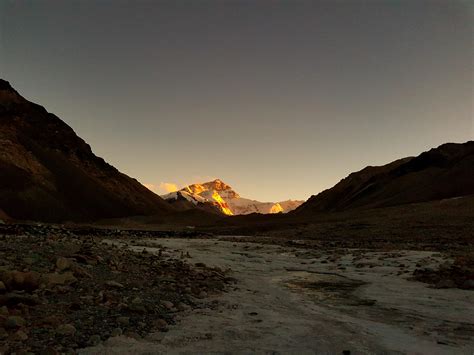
(216, 195)
(48, 173)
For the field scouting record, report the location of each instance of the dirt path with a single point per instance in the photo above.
(289, 300)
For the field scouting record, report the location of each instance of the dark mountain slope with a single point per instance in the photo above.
(443, 172)
(48, 173)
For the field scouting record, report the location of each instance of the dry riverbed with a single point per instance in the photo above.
(294, 300)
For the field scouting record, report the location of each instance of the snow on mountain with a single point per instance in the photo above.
(194, 198)
(229, 202)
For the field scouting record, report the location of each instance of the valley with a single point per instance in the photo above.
(94, 262)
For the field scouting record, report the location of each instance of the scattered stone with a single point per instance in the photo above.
(3, 335)
(116, 332)
(183, 306)
(62, 301)
(468, 285)
(94, 340)
(137, 307)
(20, 336)
(114, 284)
(66, 330)
(63, 263)
(60, 279)
(167, 304)
(13, 322)
(124, 321)
(79, 271)
(161, 324)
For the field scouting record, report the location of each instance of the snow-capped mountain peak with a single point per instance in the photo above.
(218, 194)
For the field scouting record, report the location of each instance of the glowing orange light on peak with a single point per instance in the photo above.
(276, 208)
(222, 204)
(196, 188)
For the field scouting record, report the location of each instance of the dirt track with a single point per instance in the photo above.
(289, 300)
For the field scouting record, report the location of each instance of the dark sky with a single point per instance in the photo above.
(280, 99)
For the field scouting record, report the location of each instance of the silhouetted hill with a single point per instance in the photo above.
(48, 173)
(443, 172)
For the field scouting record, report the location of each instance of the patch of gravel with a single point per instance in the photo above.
(61, 290)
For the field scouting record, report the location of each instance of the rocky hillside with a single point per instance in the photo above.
(219, 195)
(443, 172)
(48, 173)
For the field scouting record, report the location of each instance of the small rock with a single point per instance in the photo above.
(94, 340)
(63, 263)
(160, 324)
(66, 330)
(137, 300)
(202, 294)
(13, 322)
(60, 279)
(3, 288)
(20, 336)
(468, 285)
(80, 271)
(51, 321)
(183, 306)
(116, 332)
(3, 335)
(123, 320)
(114, 284)
(137, 307)
(167, 304)
(29, 261)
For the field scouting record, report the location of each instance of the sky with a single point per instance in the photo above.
(279, 99)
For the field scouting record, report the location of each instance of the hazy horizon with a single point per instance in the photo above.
(280, 100)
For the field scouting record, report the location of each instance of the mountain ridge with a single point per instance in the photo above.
(229, 202)
(443, 172)
(50, 174)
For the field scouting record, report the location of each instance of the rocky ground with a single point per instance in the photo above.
(293, 299)
(94, 291)
(63, 289)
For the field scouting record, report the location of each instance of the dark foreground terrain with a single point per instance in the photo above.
(397, 279)
(385, 280)
(63, 289)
